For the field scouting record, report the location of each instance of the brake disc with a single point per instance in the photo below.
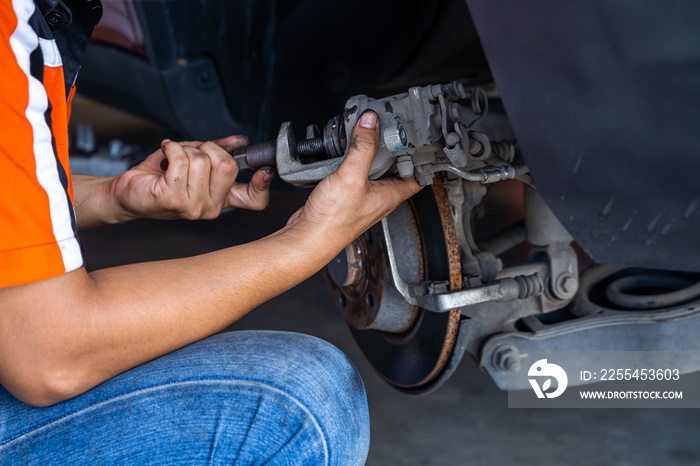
(407, 345)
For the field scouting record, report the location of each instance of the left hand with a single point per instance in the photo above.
(191, 180)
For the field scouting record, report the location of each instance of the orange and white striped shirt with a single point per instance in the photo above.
(38, 234)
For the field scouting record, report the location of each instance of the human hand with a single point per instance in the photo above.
(191, 180)
(346, 203)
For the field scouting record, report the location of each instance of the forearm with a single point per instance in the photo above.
(95, 203)
(118, 318)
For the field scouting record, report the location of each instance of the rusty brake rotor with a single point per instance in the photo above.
(407, 345)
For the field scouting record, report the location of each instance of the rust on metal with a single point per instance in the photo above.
(455, 267)
(450, 233)
(359, 299)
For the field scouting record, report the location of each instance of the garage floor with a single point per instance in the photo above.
(466, 421)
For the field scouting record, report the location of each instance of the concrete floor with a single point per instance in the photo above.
(465, 422)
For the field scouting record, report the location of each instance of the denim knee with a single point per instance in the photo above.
(335, 394)
(252, 381)
(307, 368)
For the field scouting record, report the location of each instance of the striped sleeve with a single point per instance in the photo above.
(38, 238)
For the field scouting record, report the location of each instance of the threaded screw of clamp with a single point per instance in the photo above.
(311, 147)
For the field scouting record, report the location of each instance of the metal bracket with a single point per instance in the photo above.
(433, 296)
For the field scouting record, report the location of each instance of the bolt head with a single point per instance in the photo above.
(435, 90)
(569, 284)
(506, 359)
(455, 111)
(513, 364)
(565, 286)
(395, 138)
(404, 164)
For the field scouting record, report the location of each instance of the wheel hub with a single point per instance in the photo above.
(357, 277)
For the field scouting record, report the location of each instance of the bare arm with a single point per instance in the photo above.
(63, 336)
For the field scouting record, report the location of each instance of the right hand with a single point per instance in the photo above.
(346, 203)
(190, 180)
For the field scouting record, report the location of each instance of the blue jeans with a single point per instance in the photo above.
(249, 397)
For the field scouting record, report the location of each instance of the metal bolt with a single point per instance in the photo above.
(434, 91)
(506, 358)
(424, 180)
(461, 91)
(455, 111)
(568, 284)
(565, 286)
(404, 164)
(311, 147)
(395, 138)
